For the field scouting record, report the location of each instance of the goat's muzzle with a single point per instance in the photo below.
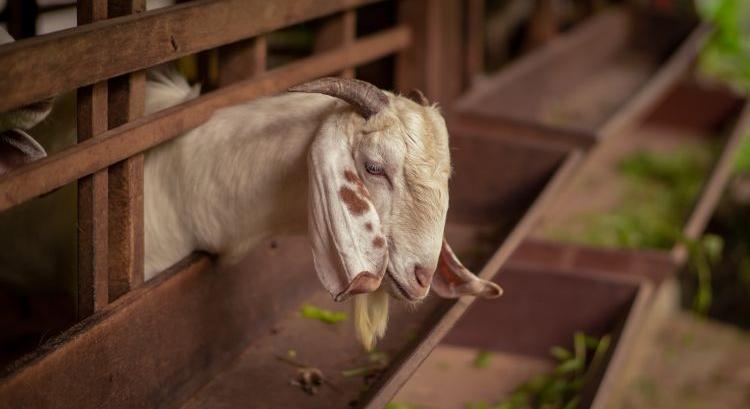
(364, 282)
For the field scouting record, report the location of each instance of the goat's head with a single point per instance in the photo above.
(16, 146)
(379, 174)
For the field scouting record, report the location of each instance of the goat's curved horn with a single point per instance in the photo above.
(366, 98)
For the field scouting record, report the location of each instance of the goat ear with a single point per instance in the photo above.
(18, 148)
(453, 280)
(348, 244)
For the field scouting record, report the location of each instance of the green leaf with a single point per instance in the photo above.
(323, 315)
(560, 353)
(477, 405)
(570, 365)
(482, 360)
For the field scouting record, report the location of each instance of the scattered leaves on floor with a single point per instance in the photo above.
(322, 315)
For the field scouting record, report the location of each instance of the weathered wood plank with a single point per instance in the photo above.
(336, 31)
(47, 65)
(92, 189)
(126, 102)
(118, 144)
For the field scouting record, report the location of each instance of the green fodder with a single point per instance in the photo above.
(659, 191)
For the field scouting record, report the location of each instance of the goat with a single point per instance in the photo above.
(363, 171)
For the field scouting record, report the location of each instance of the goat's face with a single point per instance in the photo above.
(379, 198)
(403, 159)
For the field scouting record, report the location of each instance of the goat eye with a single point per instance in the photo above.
(374, 168)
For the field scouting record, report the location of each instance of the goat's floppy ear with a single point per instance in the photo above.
(453, 280)
(18, 148)
(348, 244)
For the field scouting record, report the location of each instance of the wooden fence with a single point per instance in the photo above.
(105, 59)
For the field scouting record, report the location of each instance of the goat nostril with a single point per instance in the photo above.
(423, 275)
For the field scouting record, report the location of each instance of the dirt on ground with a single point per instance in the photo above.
(692, 363)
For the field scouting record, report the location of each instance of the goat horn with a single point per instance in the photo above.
(366, 98)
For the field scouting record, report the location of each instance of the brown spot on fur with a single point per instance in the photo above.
(351, 177)
(354, 203)
(368, 226)
(378, 242)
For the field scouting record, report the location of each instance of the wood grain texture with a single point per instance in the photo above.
(47, 65)
(92, 189)
(126, 103)
(137, 136)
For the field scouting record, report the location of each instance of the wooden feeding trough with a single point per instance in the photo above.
(587, 84)
(689, 114)
(206, 338)
(541, 308)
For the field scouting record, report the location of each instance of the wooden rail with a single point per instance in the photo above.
(144, 133)
(85, 55)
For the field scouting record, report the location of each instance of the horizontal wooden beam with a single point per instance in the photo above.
(44, 66)
(137, 136)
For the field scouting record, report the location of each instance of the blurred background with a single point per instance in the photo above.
(650, 94)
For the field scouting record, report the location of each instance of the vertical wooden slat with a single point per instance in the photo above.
(474, 40)
(126, 102)
(336, 31)
(242, 60)
(543, 25)
(92, 190)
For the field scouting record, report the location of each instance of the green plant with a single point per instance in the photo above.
(482, 360)
(726, 55)
(657, 195)
(561, 388)
(703, 253)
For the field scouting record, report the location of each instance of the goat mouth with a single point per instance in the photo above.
(400, 290)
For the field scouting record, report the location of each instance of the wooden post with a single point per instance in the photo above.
(126, 103)
(337, 31)
(474, 40)
(92, 190)
(242, 60)
(434, 62)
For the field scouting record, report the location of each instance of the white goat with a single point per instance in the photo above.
(365, 173)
